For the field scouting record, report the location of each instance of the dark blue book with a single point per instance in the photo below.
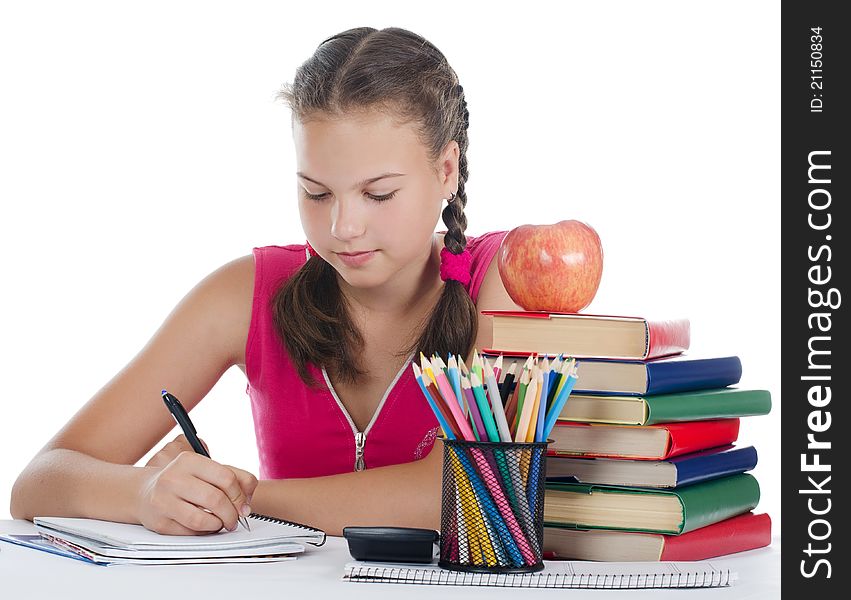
(680, 471)
(668, 375)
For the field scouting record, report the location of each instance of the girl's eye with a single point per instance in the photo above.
(314, 196)
(384, 198)
(319, 197)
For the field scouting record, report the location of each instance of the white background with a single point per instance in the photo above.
(140, 149)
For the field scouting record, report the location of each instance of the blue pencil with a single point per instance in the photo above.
(555, 379)
(558, 403)
(542, 405)
(455, 378)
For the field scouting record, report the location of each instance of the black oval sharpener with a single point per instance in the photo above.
(391, 544)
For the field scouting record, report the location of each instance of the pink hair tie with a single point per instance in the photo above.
(455, 266)
(310, 249)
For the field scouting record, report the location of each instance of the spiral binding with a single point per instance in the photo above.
(270, 519)
(713, 578)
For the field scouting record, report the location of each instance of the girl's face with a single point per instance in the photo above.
(365, 185)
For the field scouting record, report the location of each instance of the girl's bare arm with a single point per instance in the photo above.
(405, 495)
(86, 469)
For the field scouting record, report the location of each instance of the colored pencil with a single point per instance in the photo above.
(479, 426)
(441, 403)
(528, 402)
(481, 529)
(428, 371)
(477, 363)
(505, 386)
(511, 406)
(484, 408)
(455, 378)
(446, 388)
(559, 402)
(494, 520)
(465, 533)
(443, 416)
(525, 379)
(497, 367)
(496, 404)
(539, 418)
(463, 366)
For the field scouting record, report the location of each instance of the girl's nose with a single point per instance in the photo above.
(348, 220)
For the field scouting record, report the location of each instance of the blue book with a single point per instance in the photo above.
(680, 471)
(668, 375)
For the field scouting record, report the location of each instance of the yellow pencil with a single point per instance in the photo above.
(533, 421)
(528, 402)
(425, 366)
(472, 514)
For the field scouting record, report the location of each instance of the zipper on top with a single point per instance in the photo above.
(360, 436)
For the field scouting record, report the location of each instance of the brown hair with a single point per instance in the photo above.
(397, 72)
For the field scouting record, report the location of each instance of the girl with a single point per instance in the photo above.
(325, 331)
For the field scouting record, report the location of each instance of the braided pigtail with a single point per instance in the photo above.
(453, 324)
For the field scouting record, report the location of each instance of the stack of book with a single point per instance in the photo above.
(643, 464)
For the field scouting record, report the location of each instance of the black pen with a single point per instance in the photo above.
(182, 417)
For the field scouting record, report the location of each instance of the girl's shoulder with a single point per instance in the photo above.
(273, 264)
(291, 256)
(483, 249)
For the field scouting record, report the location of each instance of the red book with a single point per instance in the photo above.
(643, 442)
(737, 534)
(587, 335)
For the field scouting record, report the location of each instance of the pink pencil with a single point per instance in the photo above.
(474, 408)
(497, 367)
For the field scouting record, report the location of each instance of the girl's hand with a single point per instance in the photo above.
(193, 495)
(170, 451)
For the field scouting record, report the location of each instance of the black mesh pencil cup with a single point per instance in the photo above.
(492, 507)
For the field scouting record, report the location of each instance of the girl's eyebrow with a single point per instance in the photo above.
(362, 183)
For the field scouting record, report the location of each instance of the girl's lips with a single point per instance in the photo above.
(358, 259)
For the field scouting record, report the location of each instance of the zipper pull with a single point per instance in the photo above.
(360, 442)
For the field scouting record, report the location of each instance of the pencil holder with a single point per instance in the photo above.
(492, 507)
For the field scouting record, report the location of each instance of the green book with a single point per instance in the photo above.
(674, 511)
(701, 405)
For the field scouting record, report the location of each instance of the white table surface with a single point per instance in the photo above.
(317, 574)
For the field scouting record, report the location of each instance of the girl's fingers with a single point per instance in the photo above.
(195, 519)
(172, 527)
(209, 497)
(220, 488)
(170, 451)
(247, 481)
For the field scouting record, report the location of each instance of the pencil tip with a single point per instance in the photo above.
(164, 392)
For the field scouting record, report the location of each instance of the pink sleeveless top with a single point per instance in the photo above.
(303, 432)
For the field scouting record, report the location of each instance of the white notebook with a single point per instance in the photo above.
(106, 539)
(556, 574)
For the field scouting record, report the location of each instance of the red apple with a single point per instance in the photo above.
(554, 268)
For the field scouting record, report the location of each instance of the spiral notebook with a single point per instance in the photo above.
(556, 574)
(109, 542)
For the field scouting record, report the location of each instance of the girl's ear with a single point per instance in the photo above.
(448, 166)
